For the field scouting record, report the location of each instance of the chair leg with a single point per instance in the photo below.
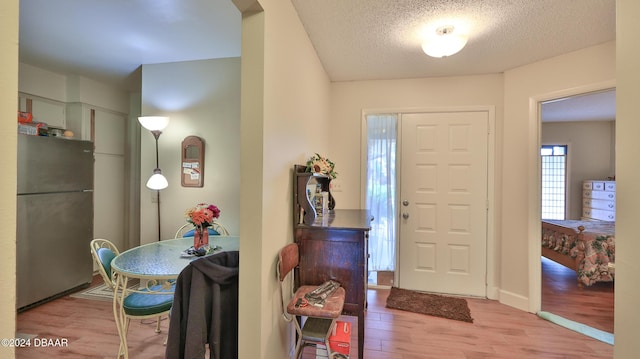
(158, 324)
(298, 351)
(123, 351)
(299, 347)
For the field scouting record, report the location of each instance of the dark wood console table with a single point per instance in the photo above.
(335, 246)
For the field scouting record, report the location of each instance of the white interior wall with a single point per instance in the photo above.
(591, 147)
(202, 98)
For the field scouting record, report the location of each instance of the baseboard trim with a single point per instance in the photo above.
(514, 300)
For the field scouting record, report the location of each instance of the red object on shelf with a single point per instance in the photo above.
(340, 339)
(25, 117)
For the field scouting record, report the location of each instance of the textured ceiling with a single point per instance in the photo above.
(380, 39)
(355, 39)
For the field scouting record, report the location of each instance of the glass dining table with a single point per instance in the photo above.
(156, 265)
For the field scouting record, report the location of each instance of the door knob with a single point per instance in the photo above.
(405, 203)
(405, 215)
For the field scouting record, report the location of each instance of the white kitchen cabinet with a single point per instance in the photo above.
(104, 127)
(599, 200)
(51, 112)
(79, 120)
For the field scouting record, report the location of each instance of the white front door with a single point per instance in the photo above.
(443, 202)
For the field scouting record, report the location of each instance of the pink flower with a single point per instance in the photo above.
(202, 215)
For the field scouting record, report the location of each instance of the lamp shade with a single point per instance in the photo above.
(157, 181)
(444, 42)
(154, 123)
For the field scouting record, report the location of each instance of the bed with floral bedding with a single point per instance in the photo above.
(588, 247)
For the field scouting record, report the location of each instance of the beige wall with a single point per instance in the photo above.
(8, 103)
(285, 110)
(202, 98)
(627, 314)
(591, 148)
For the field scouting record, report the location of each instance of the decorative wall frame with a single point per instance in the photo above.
(192, 162)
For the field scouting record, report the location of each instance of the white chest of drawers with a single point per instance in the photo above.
(599, 200)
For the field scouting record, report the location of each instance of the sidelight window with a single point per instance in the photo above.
(554, 181)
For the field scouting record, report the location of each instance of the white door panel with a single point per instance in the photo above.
(443, 228)
(109, 187)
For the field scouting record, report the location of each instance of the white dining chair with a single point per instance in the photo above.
(187, 229)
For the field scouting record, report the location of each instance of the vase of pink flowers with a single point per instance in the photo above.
(202, 217)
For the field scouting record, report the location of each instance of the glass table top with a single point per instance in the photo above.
(164, 259)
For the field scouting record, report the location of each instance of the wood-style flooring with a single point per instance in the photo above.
(498, 332)
(592, 305)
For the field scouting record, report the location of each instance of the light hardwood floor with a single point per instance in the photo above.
(498, 332)
(591, 305)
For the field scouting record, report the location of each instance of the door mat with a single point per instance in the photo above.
(101, 292)
(430, 304)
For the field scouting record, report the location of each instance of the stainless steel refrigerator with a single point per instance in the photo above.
(54, 217)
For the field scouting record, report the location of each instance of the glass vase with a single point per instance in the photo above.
(200, 238)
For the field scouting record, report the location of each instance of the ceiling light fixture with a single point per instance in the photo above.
(444, 42)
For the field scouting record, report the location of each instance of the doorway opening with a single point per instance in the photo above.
(582, 126)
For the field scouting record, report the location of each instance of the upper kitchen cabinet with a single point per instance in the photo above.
(105, 127)
(51, 112)
(79, 119)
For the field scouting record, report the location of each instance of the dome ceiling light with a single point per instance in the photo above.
(444, 43)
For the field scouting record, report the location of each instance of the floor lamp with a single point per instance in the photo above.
(157, 181)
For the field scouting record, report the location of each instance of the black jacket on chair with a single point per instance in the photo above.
(205, 309)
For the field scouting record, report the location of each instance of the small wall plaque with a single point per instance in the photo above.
(192, 162)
